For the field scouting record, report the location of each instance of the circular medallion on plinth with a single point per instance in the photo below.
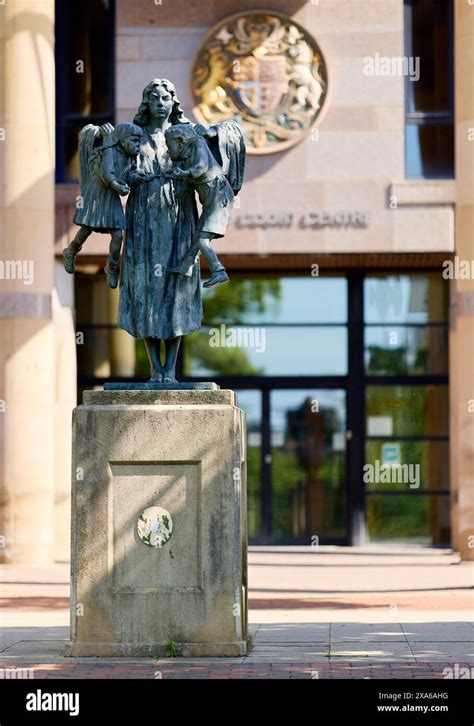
(264, 71)
(154, 526)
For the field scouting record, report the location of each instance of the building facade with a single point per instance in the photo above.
(347, 329)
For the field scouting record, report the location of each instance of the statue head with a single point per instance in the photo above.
(129, 138)
(159, 100)
(180, 140)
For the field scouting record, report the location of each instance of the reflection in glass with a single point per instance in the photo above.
(410, 410)
(250, 402)
(277, 300)
(406, 351)
(308, 463)
(420, 465)
(87, 38)
(85, 70)
(261, 350)
(429, 129)
(406, 299)
(408, 519)
(69, 141)
(257, 327)
(429, 150)
(430, 29)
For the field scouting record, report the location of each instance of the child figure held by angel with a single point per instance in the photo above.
(215, 170)
(105, 169)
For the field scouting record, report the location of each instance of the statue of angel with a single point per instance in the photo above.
(160, 282)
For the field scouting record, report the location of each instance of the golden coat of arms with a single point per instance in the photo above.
(264, 71)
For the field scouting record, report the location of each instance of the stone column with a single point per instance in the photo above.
(462, 292)
(65, 401)
(27, 121)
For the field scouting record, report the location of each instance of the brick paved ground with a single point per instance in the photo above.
(330, 613)
(217, 669)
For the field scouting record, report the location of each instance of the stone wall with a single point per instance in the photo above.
(357, 161)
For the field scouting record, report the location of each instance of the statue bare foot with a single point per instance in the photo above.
(157, 378)
(169, 378)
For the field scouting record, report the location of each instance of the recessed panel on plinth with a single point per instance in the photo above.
(170, 560)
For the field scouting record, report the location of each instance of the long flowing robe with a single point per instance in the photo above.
(161, 219)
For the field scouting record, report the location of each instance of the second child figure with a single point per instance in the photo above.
(198, 165)
(105, 169)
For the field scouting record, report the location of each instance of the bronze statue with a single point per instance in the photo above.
(160, 294)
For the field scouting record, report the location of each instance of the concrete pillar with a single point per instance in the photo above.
(462, 324)
(64, 403)
(27, 119)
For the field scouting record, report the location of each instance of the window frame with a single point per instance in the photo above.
(425, 118)
(64, 118)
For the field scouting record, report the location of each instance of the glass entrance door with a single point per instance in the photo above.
(297, 483)
(308, 465)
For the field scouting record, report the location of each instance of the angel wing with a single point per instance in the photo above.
(229, 150)
(87, 144)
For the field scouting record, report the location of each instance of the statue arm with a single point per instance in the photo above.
(202, 156)
(108, 172)
(107, 167)
(198, 169)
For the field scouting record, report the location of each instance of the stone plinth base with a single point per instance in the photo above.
(155, 386)
(183, 452)
(154, 650)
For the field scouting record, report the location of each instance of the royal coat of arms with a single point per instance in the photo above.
(264, 71)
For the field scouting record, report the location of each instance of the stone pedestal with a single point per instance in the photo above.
(184, 452)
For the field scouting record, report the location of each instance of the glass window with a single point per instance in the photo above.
(431, 43)
(406, 445)
(407, 411)
(429, 142)
(414, 298)
(406, 351)
(85, 67)
(277, 300)
(103, 349)
(408, 519)
(429, 151)
(406, 465)
(265, 351)
(251, 403)
(406, 329)
(271, 327)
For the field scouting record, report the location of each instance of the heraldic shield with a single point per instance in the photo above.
(264, 71)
